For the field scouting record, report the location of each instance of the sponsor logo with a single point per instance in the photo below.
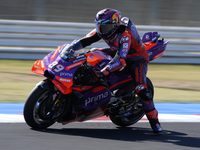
(115, 18)
(80, 56)
(125, 45)
(66, 74)
(73, 65)
(124, 54)
(147, 37)
(139, 87)
(124, 38)
(125, 50)
(159, 55)
(65, 80)
(96, 98)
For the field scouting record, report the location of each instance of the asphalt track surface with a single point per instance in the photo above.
(100, 136)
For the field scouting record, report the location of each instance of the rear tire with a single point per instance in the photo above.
(137, 114)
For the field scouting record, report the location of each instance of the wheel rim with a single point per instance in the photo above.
(136, 115)
(42, 114)
(139, 113)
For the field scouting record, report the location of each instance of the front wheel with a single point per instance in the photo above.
(137, 111)
(41, 109)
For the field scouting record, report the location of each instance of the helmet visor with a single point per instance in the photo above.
(105, 28)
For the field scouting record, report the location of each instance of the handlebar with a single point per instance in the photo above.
(67, 52)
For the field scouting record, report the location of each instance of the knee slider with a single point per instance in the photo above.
(145, 95)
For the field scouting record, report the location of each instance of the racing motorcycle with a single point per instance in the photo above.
(71, 91)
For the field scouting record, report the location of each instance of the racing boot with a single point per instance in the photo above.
(153, 120)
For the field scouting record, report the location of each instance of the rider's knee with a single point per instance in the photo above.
(144, 93)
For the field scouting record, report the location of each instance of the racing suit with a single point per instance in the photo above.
(127, 48)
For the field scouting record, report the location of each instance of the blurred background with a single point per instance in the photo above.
(142, 12)
(30, 29)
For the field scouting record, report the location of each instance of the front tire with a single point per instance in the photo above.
(38, 112)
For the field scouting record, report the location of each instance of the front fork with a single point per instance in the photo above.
(59, 101)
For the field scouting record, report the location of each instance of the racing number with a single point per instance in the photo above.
(53, 64)
(56, 67)
(59, 68)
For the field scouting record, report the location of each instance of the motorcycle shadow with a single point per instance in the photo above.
(128, 134)
(119, 133)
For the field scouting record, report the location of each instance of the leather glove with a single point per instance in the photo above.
(67, 52)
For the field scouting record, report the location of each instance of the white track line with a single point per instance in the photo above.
(10, 118)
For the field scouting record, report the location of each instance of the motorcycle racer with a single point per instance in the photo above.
(127, 50)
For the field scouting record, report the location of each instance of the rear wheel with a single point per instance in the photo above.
(42, 108)
(137, 110)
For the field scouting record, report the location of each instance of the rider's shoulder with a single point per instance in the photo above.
(125, 21)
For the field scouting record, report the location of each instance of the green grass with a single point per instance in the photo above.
(173, 83)
(175, 72)
(16, 80)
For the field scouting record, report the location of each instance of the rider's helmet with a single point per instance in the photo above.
(107, 22)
